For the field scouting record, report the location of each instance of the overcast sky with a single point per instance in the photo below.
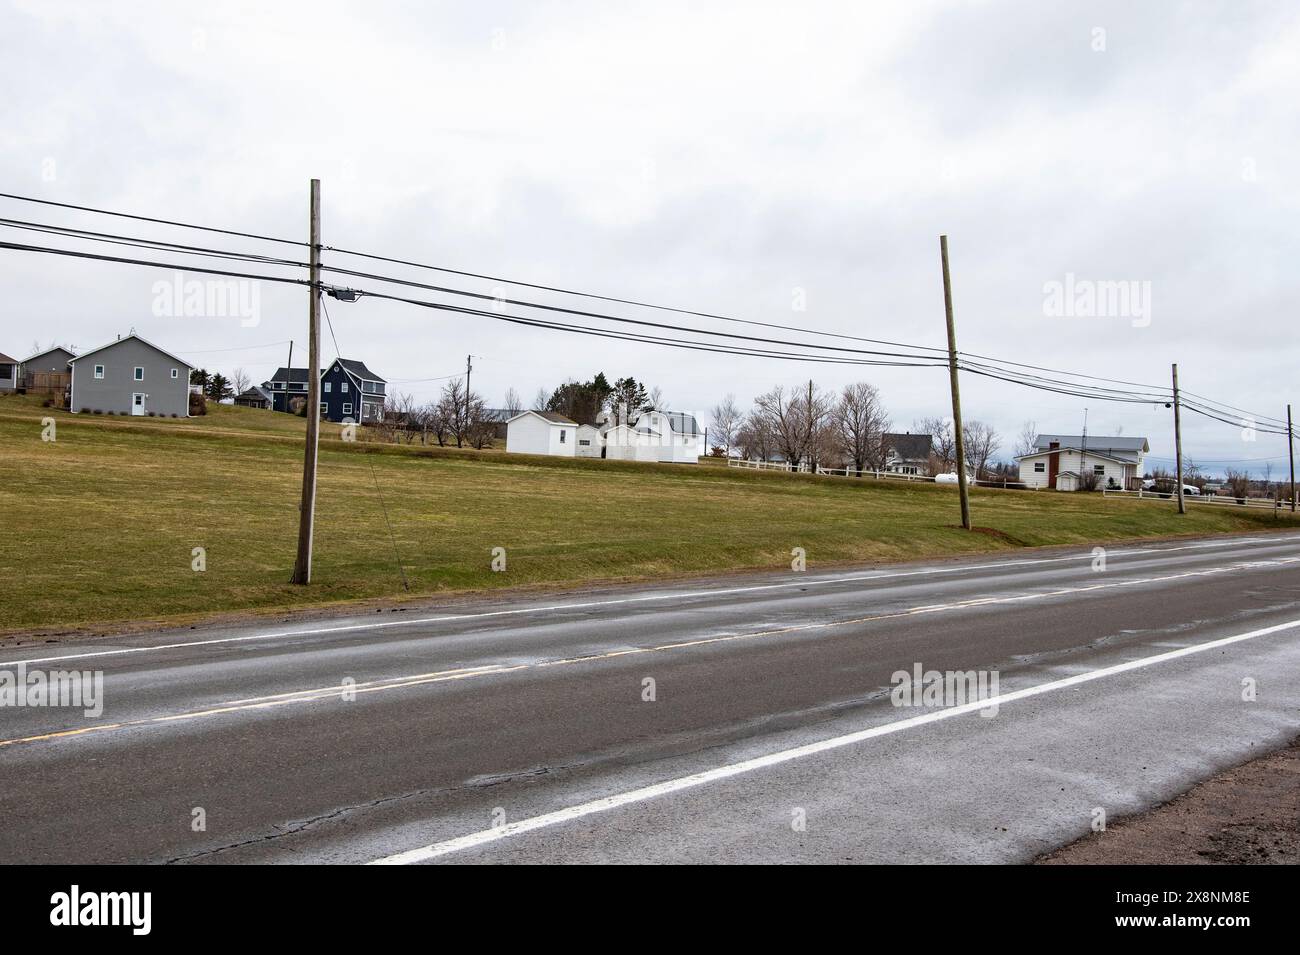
(740, 159)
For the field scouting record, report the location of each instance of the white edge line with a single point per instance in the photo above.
(485, 836)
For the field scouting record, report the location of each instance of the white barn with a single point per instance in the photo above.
(542, 432)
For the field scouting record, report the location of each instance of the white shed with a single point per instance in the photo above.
(542, 432)
(589, 442)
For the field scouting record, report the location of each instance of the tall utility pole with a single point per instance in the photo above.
(1290, 450)
(307, 511)
(956, 392)
(288, 383)
(469, 366)
(1178, 444)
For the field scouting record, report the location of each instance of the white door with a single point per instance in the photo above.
(137, 404)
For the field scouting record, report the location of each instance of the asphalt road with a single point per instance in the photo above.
(525, 730)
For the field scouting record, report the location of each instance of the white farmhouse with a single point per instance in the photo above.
(1059, 460)
(542, 432)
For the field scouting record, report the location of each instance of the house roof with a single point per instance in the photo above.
(554, 417)
(126, 338)
(289, 374)
(679, 422)
(255, 391)
(359, 369)
(1098, 442)
(49, 351)
(5, 359)
(911, 447)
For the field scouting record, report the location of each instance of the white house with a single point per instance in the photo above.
(1058, 461)
(588, 442)
(542, 432)
(680, 437)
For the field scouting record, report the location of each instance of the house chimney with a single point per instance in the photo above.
(1053, 445)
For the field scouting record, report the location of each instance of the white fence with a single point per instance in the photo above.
(805, 468)
(1200, 498)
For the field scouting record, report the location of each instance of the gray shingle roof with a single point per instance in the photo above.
(282, 374)
(912, 447)
(1094, 442)
(359, 369)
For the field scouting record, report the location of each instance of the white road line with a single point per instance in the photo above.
(675, 595)
(486, 836)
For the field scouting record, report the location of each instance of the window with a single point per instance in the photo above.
(584, 442)
(1099, 469)
(347, 407)
(343, 387)
(327, 387)
(99, 371)
(563, 432)
(324, 409)
(139, 373)
(175, 374)
(1040, 467)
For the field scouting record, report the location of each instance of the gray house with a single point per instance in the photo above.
(131, 376)
(8, 373)
(46, 372)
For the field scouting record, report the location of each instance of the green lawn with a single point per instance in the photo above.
(98, 526)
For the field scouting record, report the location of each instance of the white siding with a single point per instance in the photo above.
(1105, 470)
(591, 449)
(532, 434)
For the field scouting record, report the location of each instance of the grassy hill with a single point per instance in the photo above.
(99, 525)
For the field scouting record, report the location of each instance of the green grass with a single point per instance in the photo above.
(98, 526)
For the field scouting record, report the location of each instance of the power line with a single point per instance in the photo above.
(600, 316)
(615, 300)
(141, 242)
(170, 222)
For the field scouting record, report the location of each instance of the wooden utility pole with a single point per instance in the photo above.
(956, 392)
(307, 510)
(468, 368)
(288, 384)
(1290, 451)
(1178, 445)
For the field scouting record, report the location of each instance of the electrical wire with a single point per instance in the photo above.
(170, 222)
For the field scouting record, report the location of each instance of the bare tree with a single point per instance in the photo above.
(240, 381)
(859, 423)
(726, 420)
(513, 404)
(463, 415)
(943, 446)
(795, 421)
(541, 399)
(754, 437)
(982, 443)
(1027, 440)
(656, 401)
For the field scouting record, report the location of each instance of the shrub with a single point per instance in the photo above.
(198, 405)
(98, 411)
